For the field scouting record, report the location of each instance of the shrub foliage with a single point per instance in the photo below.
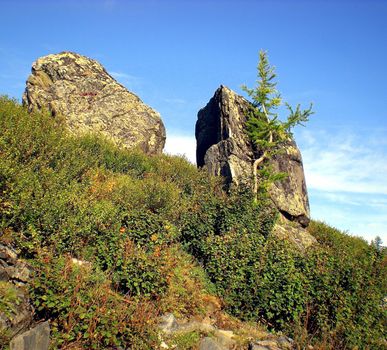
(157, 235)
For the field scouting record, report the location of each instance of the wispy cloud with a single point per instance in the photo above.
(363, 218)
(122, 75)
(344, 163)
(132, 82)
(181, 144)
(174, 101)
(346, 174)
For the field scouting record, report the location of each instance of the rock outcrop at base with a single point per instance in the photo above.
(37, 338)
(79, 89)
(16, 314)
(237, 336)
(225, 149)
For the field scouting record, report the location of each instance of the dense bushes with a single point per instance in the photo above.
(68, 192)
(331, 295)
(348, 281)
(142, 221)
(83, 198)
(84, 309)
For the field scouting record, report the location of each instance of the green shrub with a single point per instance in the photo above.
(130, 215)
(334, 291)
(66, 197)
(186, 341)
(140, 272)
(213, 215)
(257, 277)
(85, 311)
(9, 298)
(347, 284)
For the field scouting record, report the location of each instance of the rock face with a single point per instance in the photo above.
(16, 313)
(224, 148)
(80, 89)
(222, 145)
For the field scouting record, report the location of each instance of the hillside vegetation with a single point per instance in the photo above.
(157, 236)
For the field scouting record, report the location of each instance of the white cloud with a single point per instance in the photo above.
(131, 82)
(179, 101)
(346, 175)
(343, 163)
(122, 75)
(364, 221)
(179, 144)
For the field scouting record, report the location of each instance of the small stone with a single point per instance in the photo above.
(195, 326)
(168, 323)
(3, 273)
(271, 343)
(210, 344)
(264, 345)
(225, 337)
(224, 333)
(81, 262)
(3, 321)
(37, 338)
(257, 347)
(19, 272)
(7, 254)
(285, 342)
(23, 315)
(164, 345)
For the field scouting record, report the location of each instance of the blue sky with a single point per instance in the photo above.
(175, 53)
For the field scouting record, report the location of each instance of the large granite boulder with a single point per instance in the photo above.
(79, 89)
(224, 148)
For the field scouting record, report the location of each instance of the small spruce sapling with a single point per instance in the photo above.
(267, 132)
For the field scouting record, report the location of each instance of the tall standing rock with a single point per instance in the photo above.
(224, 148)
(80, 89)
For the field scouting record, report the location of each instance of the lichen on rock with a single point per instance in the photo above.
(91, 100)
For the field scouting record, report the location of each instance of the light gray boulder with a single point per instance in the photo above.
(37, 338)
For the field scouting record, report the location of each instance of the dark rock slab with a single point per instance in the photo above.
(225, 149)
